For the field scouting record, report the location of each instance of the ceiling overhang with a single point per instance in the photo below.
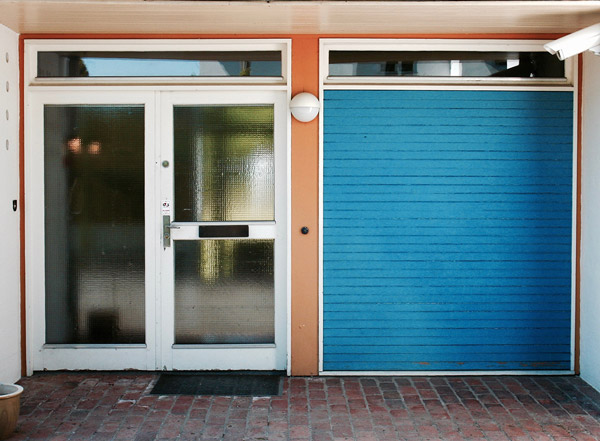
(296, 17)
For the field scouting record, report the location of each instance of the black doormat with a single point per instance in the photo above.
(241, 384)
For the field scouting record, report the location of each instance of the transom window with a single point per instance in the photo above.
(441, 62)
(58, 64)
(445, 64)
(148, 62)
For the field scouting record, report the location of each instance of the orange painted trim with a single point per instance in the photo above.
(579, 132)
(22, 203)
(305, 212)
(293, 36)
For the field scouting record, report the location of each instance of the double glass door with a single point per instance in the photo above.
(161, 216)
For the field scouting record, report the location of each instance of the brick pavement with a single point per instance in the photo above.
(117, 406)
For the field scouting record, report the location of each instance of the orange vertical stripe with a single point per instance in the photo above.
(305, 212)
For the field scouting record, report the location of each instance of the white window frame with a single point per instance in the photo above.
(32, 47)
(421, 45)
(570, 84)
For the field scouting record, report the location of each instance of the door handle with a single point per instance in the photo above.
(166, 233)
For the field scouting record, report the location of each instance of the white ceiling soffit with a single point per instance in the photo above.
(296, 17)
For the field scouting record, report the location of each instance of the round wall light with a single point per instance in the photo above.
(305, 107)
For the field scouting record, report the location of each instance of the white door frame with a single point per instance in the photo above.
(80, 356)
(128, 91)
(224, 356)
(158, 352)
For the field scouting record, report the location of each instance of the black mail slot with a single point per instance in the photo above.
(223, 231)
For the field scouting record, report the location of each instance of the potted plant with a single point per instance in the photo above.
(10, 397)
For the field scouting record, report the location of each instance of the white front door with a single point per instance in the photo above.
(222, 193)
(157, 229)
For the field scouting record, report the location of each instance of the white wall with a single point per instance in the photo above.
(590, 223)
(10, 332)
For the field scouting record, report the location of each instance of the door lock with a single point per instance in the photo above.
(167, 227)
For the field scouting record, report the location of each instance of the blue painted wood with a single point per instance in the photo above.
(444, 324)
(355, 365)
(427, 138)
(447, 230)
(390, 351)
(448, 306)
(456, 112)
(437, 332)
(446, 291)
(472, 355)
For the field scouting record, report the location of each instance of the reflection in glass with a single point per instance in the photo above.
(159, 64)
(224, 163)
(224, 292)
(94, 224)
(445, 64)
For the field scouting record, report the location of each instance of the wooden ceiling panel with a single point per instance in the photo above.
(296, 17)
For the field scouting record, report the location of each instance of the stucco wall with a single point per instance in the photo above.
(590, 223)
(10, 341)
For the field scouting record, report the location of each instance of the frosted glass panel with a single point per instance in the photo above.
(224, 291)
(224, 163)
(94, 224)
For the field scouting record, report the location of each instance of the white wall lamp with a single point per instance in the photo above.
(576, 43)
(305, 107)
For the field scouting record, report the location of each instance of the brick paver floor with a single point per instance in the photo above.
(109, 406)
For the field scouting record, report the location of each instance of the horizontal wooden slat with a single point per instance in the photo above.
(445, 223)
(447, 98)
(447, 156)
(500, 356)
(387, 124)
(428, 305)
(351, 333)
(446, 365)
(483, 351)
(447, 291)
(482, 139)
(336, 108)
(470, 177)
(385, 314)
(447, 229)
(401, 268)
(445, 323)
(440, 198)
(371, 345)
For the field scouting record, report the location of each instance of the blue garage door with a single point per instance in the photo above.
(447, 230)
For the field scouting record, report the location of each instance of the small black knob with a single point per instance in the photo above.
(304, 230)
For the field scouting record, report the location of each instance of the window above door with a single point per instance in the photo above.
(100, 62)
(436, 62)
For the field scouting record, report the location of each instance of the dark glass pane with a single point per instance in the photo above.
(94, 224)
(224, 163)
(159, 64)
(224, 292)
(445, 64)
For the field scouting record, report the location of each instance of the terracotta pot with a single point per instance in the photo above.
(10, 397)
